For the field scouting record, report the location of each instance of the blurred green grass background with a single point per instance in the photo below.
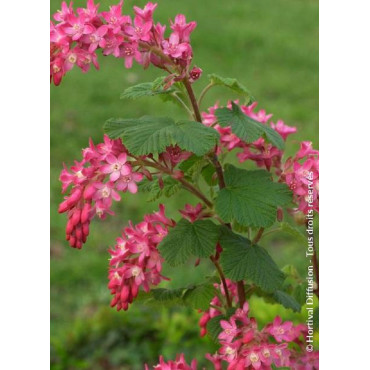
(271, 46)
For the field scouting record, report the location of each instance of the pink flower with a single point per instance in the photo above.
(117, 167)
(195, 74)
(145, 14)
(283, 129)
(306, 150)
(129, 51)
(192, 213)
(96, 38)
(230, 331)
(280, 331)
(128, 182)
(174, 155)
(178, 364)
(173, 47)
(183, 29)
(76, 27)
(114, 17)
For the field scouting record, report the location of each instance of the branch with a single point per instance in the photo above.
(223, 280)
(258, 236)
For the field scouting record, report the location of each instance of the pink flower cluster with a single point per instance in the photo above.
(301, 174)
(192, 213)
(178, 364)
(216, 302)
(243, 346)
(263, 153)
(294, 171)
(135, 260)
(91, 194)
(76, 36)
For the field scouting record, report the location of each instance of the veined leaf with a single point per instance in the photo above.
(241, 260)
(146, 89)
(147, 134)
(232, 84)
(200, 296)
(250, 197)
(170, 187)
(297, 234)
(286, 300)
(247, 128)
(164, 295)
(185, 239)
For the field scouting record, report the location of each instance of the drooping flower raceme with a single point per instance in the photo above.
(76, 36)
(95, 182)
(135, 261)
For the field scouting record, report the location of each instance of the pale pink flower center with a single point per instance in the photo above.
(126, 178)
(136, 271)
(105, 192)
(254, 357)
(72, 58)
(229, 351)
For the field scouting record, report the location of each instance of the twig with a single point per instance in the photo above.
(223, 280)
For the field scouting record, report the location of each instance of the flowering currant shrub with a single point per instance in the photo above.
(236, 206)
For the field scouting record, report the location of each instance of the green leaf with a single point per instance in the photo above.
(297, 234)
(170, 187)
(209, 175)
(232, 84)
(240, 260)
(195, 137)
(299, 293)
(250, 197)
(163, 295)
(185, 239)
(147, 134)
(193, 166)
(200, 296)
(274, 367)
(247, 128)
(286, 300)
(146, 89)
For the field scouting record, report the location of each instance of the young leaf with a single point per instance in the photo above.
(193, 166)
(241, 260)
(200, 296)
(286, 300)
(170, 187)
(297, 234)
(185, 239)
(209, 175)
(232, 84)
(147, 134)
(250, 197)
(247, 128)
(146, 89)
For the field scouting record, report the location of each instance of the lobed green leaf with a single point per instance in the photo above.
(247, 128)
(146, 135)
(187, 239)
(250, 197)
(240, 260)
(231, 83)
